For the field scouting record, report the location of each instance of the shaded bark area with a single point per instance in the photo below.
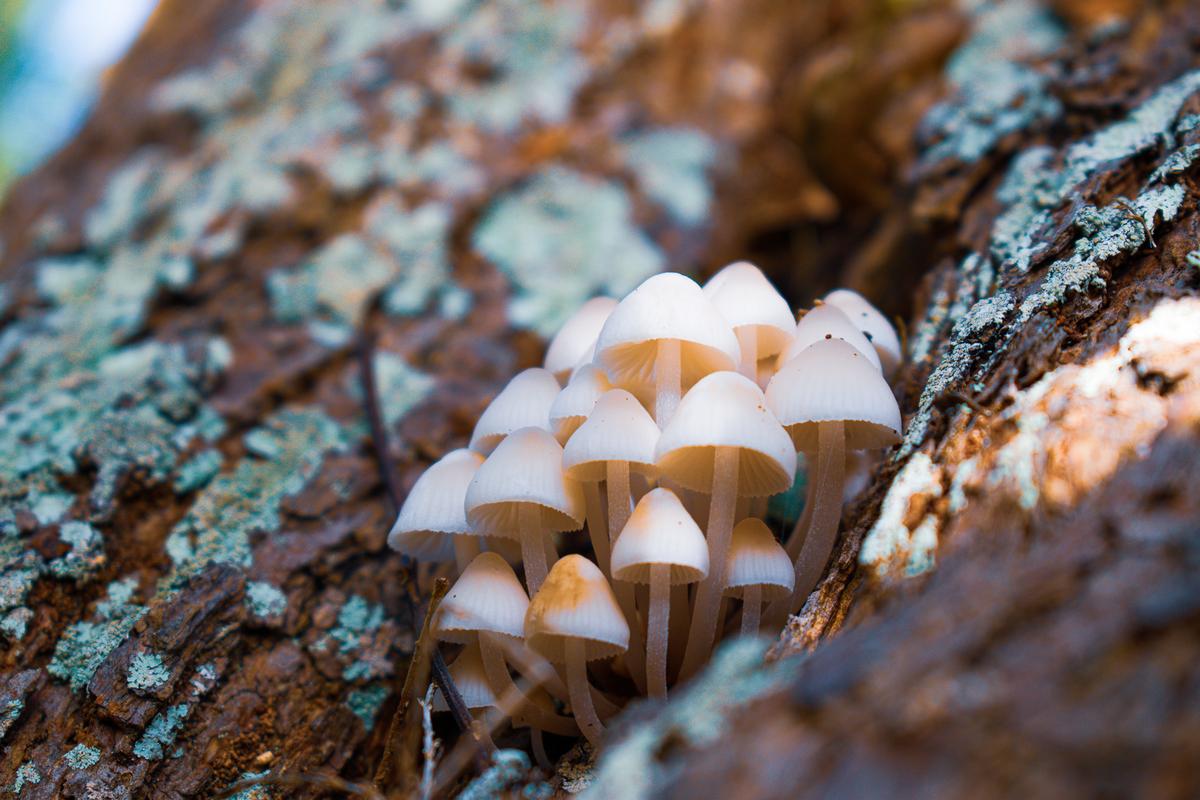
(235, 609)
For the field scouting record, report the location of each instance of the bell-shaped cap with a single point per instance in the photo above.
(665, 306)
(619, 429)
(829, 381)
(577, 337)
(525, 470)
(822, 323)
(872, 323)
(575, 603)
(748, 301)
(660, 532)
(726, 409)
(433, 513)
(574, 403)
(487, 597)
(756, 559)
(524, 402)
(470, 680)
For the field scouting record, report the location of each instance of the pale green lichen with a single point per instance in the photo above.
(362, 637)
(197, 471)
(83, 646)
(264, 600)
(254, 792)
(365, 703)
(86, 555)
(161, 732)
(889, 543)
(82, 757)
(146, 672)
(10, 711)
(19, 571)
(27, 775)
(505, 777)
(671, 166)
(561, 238)
(401, 387)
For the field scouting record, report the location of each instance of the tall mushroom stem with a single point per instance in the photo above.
(501, 682)
(720, 531)
(680, 619)
(465, 550)
(597, 526)
(667, 380)
(751, 609)
(533, 549)
(658, 630)
(747, 337)
(830, 479)
(617, 485)
(542, 673)
(539, 750)
(796, 539)
(580, 691)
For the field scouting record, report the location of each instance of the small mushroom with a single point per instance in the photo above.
(576, 400)
(573, 619)
(873, 324)
(759, 570)
(665, 333)
(470, 680)
(662, 546)
(520, 492)
(829, 398)
(432, 524)
(523, 403)
(725, 441)
(577, 337)
(821, 323)
(761, 318)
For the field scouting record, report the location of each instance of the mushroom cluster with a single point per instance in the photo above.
(661, 424)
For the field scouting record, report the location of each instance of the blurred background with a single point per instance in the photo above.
(53, 54)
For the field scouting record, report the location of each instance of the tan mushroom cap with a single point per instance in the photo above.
(660, 532)
(575, 602)
(433, 513)
(747, 300)
(524, 402)
(726, 409)
(826, 322)
(665, 306)
(525, 470)
(577, 337)
(573, 404)
(619, 429)
(486, 597)
(756, 559)
(470, 679)
(872, 323)
(830, 381)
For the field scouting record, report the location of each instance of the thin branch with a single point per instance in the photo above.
(318, 780)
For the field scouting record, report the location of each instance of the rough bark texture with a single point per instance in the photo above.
(194, 585)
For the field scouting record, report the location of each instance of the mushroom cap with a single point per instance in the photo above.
(660, 532)
(829, 381)
(872, 323)
(665, 306)
(726, 409)
(577, 336)
(433, 513)
(826, 322)
(747, 300)
(523, 403)
(619, 429)
(756, 559)
(575, 602)
(574, 403)
(470, 679)
(526, 469)
(486, 597)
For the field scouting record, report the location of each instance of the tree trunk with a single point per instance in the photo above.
(194, 584)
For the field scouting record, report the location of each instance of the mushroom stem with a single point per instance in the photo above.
(617, 485)
(542, 673)
(747, 337)
(596, 525)
(616, 474)
(798, 532)
(667, 380)
(533, 549)
(751, 609)
(680, 616)
(465, 550)
(539, 750)
(501, 682)
(581, 696)
(827, 513)
(720, 530)
(658, 630)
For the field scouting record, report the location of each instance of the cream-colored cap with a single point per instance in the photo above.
(575, 602)
(619, 429)
(470, 680)
(577, 336)
(829, 381)
(660, 532)
(526, 469)
(756, 559)
(486, 597)
(747, 300)
(665, 306)
(575, 401)
(524, 402)
(433, 513)
(872, 323)
(822, 323)
(726, 409)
